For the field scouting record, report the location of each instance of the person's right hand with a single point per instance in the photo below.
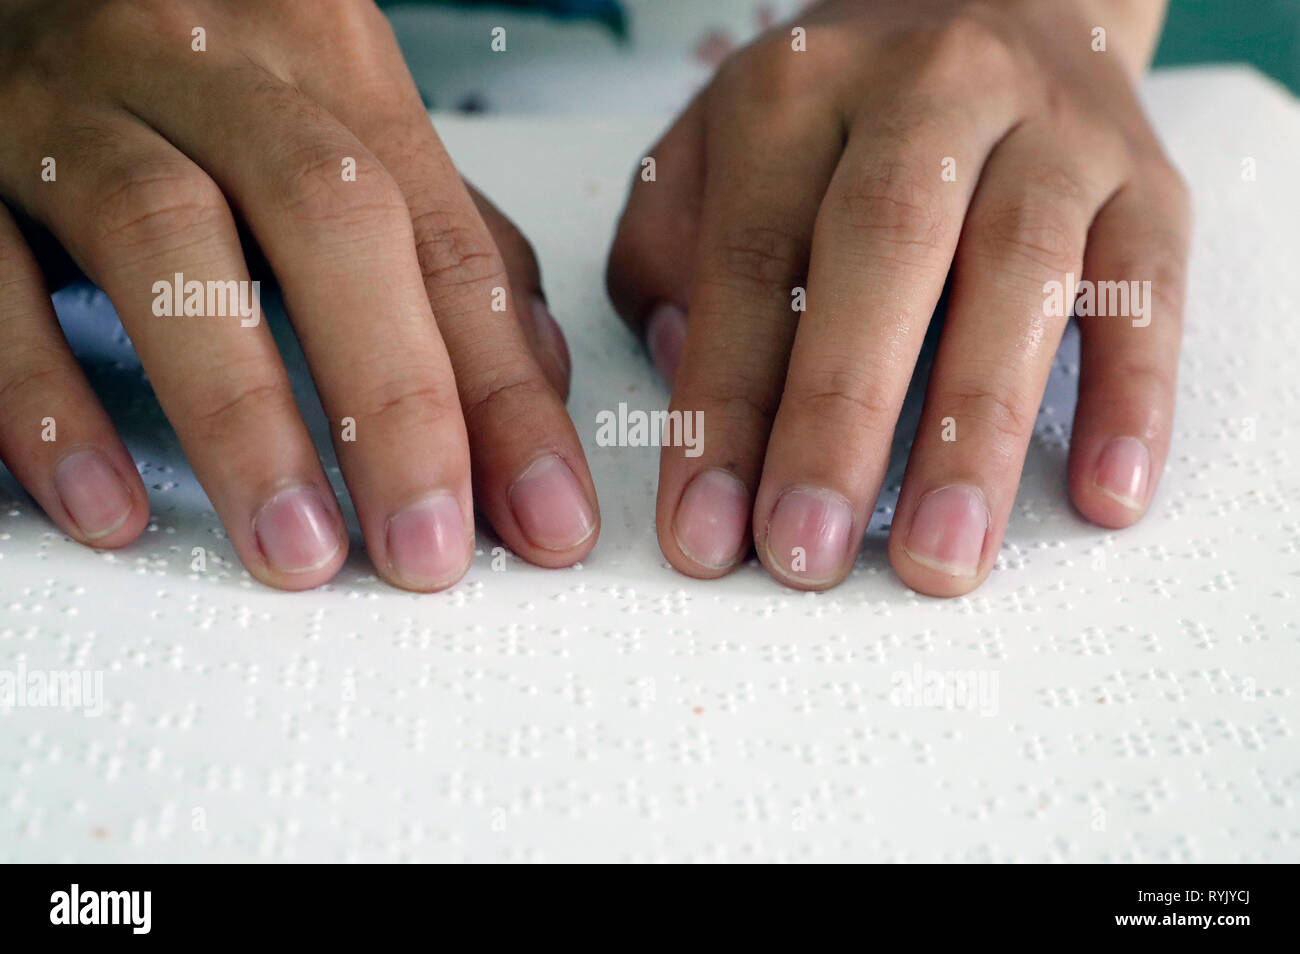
(139, 152)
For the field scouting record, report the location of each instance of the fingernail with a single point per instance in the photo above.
(92, 492)
(296, 531)
(665, 336)
(428, 545)
(550, 335)
(808, 536)
(1123, 470)
(711, 519)
(551, 506)
(948, 530)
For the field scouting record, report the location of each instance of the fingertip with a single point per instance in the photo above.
(1111, 480)
(104, 502)
(932, 579)
(428, 546)
(553, 512)
(810, 538)
(943, 548)
(299, 539)
(709, 534)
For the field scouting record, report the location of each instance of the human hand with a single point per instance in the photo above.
(989, 141)
(139, 132)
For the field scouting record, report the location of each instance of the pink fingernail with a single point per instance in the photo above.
(92, 492)
(428, 546)
(550, 335)
(665, 336)
(297, 531)
(550, 505)
(1123, 470)
(711, 519)
(808, 537)
(948, 530)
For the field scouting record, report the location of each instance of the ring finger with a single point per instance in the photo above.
(1026, 227)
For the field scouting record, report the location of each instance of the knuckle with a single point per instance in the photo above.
(225, 411)
(360, 40)
(414, 397)
(315, 192)
(349, 18)
(155, 200)
(110, 31)
(1032, 231)
(1168, 278)
(1169, 286)
(968, 37)
(761, 255)
(768, 71)
(1157, 256)
(509, 400)
(844, 394)
(961, 46)
(1058, 181)
(892, 203)
(1169, 187)
(133, 15)
(452, 252)
(1000, 409)
(32, 375)
(1141, 375)
(747, 411)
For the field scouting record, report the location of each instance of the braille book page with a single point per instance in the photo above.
(1105, 696)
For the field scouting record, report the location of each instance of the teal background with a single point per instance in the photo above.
(1264, 33)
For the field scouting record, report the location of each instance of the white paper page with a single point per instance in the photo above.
(1140, 699)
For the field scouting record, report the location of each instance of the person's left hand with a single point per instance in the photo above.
(987, 138)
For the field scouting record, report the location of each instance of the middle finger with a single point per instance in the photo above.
(343, 250)
(885, 237)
